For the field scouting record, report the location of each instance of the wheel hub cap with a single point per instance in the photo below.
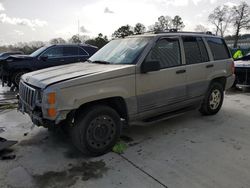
(215, 99)
(101, 131)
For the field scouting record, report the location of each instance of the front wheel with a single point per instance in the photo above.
(213, 100)
(96, 130)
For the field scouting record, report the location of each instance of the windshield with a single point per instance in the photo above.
(121, 51)
(37, 52)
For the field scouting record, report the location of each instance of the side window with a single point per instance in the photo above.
(218, 48)
(54, 52)
(195, 50)
(167, 52)
(70, 51)
(82, 52)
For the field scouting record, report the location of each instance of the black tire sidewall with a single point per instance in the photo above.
(214, 86)
(83, 122)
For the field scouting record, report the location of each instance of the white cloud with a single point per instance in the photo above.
(176, 2)
(22, 21)
(107, 10)
(2, 7)
(196, 1)
(19, 33)
(230, 4)
(83, 29)
(213, 1)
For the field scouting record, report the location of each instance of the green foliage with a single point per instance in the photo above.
(99, 41)
(139, 29)
(57, 41)
(123, 31)
(177, 23)
(119, 147)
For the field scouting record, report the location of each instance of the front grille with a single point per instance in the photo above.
(27, 95)
(242, 75)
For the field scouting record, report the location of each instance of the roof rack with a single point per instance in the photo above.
(176, 31)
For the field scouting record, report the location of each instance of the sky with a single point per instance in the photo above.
(33, 20)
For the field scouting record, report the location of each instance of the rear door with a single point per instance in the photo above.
(160, 91)
(221, 64)
(71, 54)
(197, 63)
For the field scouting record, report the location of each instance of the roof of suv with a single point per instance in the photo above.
(82, 45)
(181, 33)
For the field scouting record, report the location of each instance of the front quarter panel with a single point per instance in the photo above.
(70, 95)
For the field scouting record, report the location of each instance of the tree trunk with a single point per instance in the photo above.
(236, 37)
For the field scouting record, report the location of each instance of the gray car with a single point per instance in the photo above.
(138, 79)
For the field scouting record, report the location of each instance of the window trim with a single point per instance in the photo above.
(63, 55)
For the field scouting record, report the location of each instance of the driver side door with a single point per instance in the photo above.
(163, 90)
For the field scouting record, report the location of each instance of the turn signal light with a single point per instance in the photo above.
(51, 112)
(52, 98)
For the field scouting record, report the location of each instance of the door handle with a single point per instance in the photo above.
(210, 66)
(62, 60)
(180, 71)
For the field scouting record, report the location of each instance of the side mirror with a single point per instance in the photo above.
(44, 57)
(150, 66)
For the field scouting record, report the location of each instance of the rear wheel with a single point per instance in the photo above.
(213, 100)
(96, 130)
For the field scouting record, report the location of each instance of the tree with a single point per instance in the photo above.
(123, 31)
(164, 24)
(177, 23)
(240, 20)
(201, 28)
(220, 18)
(139, 29)
(57, 41)
(77, 39)
(99, 41)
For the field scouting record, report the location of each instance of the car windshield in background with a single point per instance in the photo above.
(37, 52)
(121, 51)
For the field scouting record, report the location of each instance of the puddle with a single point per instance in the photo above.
(67, 178)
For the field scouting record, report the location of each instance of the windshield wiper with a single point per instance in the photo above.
(101, 62)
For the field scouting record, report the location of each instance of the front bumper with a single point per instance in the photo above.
(242, 76)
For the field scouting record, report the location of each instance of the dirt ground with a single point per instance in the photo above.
(189, 151)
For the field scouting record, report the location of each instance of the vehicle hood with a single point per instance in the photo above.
(89, 71)
(242, 63)
(16, 58)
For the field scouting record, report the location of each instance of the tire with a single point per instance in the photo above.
(16, 77)
(96, 130)
(213, 100)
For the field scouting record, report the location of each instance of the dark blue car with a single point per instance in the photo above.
(14, 66)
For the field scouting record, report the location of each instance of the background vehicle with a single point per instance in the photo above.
(242, 71)
(4, 55)
(13, 67)
(142, 78)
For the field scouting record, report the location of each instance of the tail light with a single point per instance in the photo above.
(232, 67)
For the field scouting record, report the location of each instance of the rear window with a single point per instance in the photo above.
(218, 48)
(195, 51)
